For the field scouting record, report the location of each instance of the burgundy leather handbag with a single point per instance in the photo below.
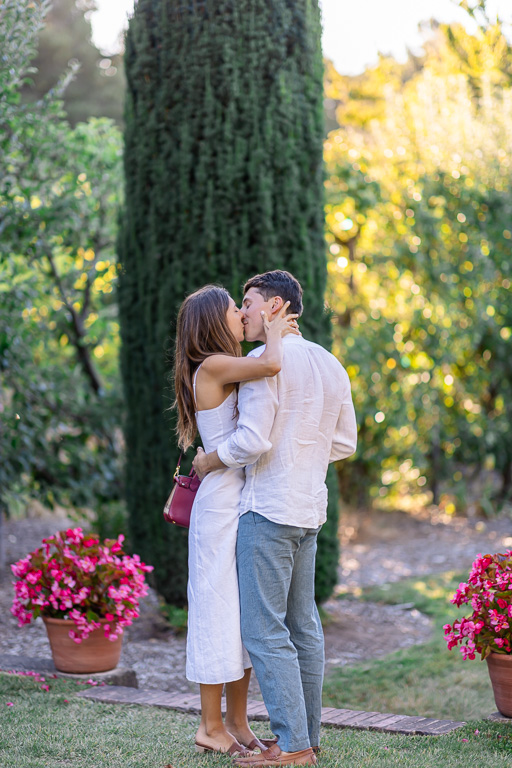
(179, 504)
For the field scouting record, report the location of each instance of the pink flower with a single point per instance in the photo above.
(33, 577)
(487, 590)
(9, 703)
(468, 651)
(45, 687)
(82, 579)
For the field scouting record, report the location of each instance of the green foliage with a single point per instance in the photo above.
(177, 617)
(111, 519)
(418, 219)
(58, 327)
(224, 179)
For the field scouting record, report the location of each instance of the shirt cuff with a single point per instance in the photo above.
(226, 457)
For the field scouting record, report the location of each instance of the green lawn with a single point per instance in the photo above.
(41, 730)
(425, 679)
(49, 729)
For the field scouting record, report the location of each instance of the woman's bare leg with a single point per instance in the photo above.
(212, 731)
(236, 709)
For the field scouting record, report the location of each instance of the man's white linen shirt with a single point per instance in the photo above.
(290, 427)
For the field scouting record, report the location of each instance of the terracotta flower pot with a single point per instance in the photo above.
(95, 654)
(500, 672)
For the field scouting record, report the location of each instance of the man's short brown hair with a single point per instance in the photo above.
(278, 282)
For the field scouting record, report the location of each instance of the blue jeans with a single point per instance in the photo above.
(281, 627)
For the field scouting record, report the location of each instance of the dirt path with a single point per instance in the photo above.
(376, 549)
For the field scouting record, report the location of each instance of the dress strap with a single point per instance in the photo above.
(194, 382)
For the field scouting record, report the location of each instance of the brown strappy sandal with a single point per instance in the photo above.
(235, 750)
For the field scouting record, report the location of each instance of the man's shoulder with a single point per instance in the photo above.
(302, 356)
(310, 347)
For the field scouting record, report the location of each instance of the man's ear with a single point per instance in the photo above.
(276, 304)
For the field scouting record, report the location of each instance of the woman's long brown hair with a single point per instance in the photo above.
(201, 331)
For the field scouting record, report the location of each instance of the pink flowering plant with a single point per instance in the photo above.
(489, 593)
(77, 577)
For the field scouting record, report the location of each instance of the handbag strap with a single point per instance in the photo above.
(177, 470)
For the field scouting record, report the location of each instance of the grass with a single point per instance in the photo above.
(54, 729)
(425, 679)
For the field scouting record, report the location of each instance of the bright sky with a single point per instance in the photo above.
(354, 30)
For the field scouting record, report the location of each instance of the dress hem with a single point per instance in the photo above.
(217, 682)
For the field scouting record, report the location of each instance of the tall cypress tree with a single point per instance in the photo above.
(224, 179)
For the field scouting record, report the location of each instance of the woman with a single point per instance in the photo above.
(208, 366)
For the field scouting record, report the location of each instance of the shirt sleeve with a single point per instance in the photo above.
(344, 441)
(257, 407)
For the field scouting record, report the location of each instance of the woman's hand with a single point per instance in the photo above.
(282, 324)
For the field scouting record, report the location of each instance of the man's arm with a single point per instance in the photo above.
(257, 406)
(344, 441)
(206, 462)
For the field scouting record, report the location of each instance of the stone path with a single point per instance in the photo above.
(337, 718)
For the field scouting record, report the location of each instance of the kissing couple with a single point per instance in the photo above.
(270, 424)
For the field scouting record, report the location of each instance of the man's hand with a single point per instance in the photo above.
(206, 462)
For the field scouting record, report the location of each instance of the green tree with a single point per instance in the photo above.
(224, 178)
(58, 319)
(418, 218)
(97, 89)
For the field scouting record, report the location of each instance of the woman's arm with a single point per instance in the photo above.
(226, 369)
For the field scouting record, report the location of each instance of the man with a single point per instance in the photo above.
(290, 427)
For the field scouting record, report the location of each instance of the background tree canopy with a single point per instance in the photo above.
(97, 90)
(59, 193)
(419, 230)
(418, 246)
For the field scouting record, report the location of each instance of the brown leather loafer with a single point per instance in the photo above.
(275, 756)
(270, 742)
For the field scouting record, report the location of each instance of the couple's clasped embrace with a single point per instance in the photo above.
(270, 423)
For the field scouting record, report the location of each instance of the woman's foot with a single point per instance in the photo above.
(220, 740)
(236, 750)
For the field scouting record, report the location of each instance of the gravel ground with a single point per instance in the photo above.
(379, 548)
(376, 549)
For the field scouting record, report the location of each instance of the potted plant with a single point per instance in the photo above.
(86, 591)
(488, 630)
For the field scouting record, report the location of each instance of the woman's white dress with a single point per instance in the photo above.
(215, 653)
